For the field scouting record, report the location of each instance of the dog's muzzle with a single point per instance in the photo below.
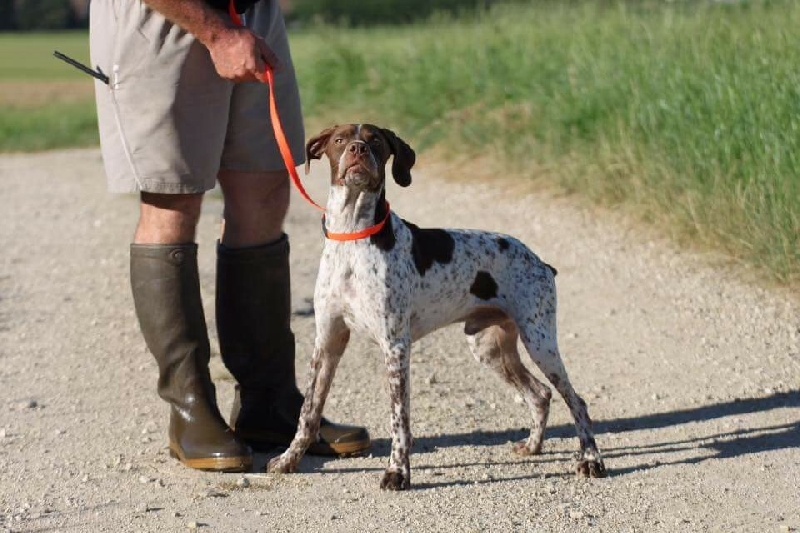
(358, 164)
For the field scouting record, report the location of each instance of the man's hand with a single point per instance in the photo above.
(240, 55)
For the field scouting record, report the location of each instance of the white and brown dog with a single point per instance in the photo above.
(402, 282)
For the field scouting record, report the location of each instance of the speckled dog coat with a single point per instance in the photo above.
(404, 282)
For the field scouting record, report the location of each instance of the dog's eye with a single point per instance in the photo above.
(339, 140)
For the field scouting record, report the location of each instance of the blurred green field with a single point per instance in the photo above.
(29, 56)
(685, 115)
(44, 103)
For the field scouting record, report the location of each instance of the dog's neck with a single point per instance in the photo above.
(349, 211)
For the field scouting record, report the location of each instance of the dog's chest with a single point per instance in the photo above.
(365, 284)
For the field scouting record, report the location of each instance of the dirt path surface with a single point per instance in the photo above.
(692, 378)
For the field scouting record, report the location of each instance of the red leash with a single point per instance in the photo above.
(288, 159)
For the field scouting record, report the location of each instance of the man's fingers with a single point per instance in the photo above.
(243, 56)
(261, 68)
(267, 55)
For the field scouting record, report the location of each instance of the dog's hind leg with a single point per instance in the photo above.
(328, 349)
(539, 338)
(494, 343)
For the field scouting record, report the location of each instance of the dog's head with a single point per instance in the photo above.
(358, 154)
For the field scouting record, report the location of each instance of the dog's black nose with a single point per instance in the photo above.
(358, 148)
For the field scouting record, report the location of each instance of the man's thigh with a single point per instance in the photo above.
(163, 117)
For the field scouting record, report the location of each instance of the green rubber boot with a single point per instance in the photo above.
(257, 345)
(166, 294)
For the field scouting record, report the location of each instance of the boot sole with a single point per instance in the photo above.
(266, 443)
(213, 464)
(342, 449)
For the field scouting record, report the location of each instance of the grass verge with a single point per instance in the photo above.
(686, 115)
(48, 127)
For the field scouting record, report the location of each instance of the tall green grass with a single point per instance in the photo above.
(687, 115)
(48, 127)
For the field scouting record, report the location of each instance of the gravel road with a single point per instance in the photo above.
(691, 374)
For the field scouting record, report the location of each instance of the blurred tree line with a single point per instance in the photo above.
(365, 13)
(31, 15)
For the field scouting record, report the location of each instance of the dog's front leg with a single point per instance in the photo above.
(398, 474)
(326, 357)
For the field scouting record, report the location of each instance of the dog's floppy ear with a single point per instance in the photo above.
(404, 158)
(316, 145)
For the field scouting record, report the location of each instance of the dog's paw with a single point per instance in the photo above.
(590, 465)
(281, 465)
(524, 448)
(393, 480)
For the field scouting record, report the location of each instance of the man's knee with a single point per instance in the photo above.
(168, 218)
(255, 207)
(273, 197)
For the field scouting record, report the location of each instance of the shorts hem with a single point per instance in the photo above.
(157, 186)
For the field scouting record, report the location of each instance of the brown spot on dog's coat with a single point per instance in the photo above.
(430, 246)
(484, 286)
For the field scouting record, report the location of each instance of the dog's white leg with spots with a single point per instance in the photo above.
(398, 473)
(540, 340)
(328, 351)
(496, 347)
(402, 282)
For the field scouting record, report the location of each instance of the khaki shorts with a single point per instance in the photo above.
(168, 123)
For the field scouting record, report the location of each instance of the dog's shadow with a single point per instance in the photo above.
(714, 445)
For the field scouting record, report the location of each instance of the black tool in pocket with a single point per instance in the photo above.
(97, 73)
